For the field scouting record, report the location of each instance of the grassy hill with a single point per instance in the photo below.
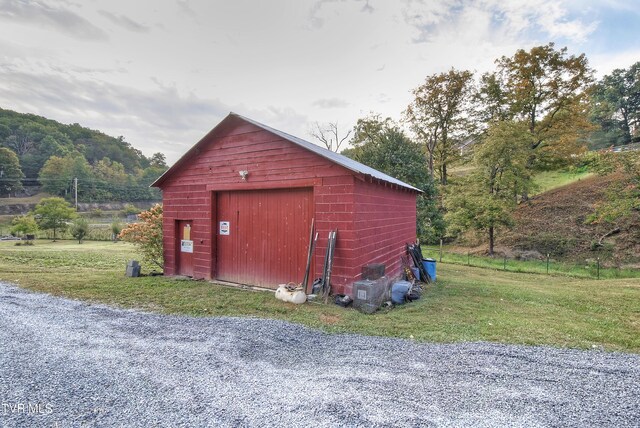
(553, 223)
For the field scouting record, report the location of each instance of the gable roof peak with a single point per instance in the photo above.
(336, 158)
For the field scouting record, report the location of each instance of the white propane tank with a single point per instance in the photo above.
(296, 296)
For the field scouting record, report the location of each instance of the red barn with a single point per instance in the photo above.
(238, 207)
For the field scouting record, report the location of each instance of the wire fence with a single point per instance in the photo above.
(589, 268)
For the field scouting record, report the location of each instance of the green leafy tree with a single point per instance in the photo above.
(486, 199)
(53, 214)
(34, 141)
(158, 160)
(79, 229)
(548, 90)
(58, 173)
(23, 225)
(111, 180)
(10, 173)
(438, 117)
(616, 107)
(147, 235)
(381, 144)
(48, 146)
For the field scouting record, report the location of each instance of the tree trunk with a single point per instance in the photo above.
(626, 129)
(431, 163)
(443, 175)
(491, 241)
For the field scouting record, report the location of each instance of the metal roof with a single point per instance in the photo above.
(339, 159)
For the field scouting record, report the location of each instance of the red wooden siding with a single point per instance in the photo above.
(193, 203)
(385, 220)
(268, 236)
(335, 210)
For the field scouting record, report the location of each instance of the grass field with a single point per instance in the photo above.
(590, 269)
(466, 304)
(548, 180)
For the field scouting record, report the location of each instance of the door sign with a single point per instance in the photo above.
(186, 246)
(224, 228)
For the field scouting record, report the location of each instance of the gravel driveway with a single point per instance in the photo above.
(65, 363)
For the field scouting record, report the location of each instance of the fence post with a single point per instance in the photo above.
(440, 250)
(598, 267)
(468, 262)
(547, 263)
(505, 262)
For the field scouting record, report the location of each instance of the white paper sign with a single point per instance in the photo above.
(224, 228)
(186, 246)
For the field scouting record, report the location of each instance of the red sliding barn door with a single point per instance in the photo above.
(262, 235)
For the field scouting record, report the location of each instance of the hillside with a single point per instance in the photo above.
(553, 222)
(34, 138)
(56, 156)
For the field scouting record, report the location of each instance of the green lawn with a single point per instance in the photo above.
(467, 303)
(588, 269)
(549, 180)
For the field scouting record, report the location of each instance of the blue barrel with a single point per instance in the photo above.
(399, 292)
(430, 267)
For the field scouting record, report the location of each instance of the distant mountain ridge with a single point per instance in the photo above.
(56, 156)
(35, 138)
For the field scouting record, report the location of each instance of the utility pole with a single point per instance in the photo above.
(75, 189)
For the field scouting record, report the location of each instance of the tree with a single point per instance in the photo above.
(57, 174)
(616, 106)
(158, 160)
(486, 199)
(80, 229)
(10, 173)
(53, 214)
(329, 135)
(23, 225)
(438, 115)
(381, 144)
(548, 90)
(147, 235)
(33, 161)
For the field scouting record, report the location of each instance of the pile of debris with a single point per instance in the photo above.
(321, 287)
(374, 290)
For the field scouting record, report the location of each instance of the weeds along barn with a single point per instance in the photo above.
(238, 207)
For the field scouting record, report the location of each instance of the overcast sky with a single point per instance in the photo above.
(162, 73)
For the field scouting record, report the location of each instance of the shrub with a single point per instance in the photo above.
(129, 209)
(23, 225)
(80, 229)
(147, 235)
(116, 228)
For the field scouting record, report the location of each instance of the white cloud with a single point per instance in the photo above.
(164, 73)
(125, 22)
(58, 18)
(330, 103)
